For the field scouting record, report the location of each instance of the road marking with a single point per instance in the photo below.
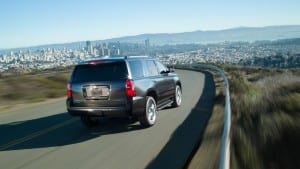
(36, 134)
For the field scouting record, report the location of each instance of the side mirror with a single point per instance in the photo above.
(165, 72)
(170, 69)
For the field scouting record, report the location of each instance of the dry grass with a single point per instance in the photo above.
(265, 131)
(32, 88)
(265, 119)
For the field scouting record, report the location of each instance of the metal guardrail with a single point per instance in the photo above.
(225, 144)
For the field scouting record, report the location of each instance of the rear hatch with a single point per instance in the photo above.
(99, 85)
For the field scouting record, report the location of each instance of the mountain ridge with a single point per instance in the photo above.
(215, 36)
(199, 36)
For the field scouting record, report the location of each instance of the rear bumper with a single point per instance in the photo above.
(98, 111)
(134, 107)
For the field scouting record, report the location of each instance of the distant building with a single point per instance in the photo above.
(114, 49)
(80, 46)
(147, 43)
(106, 52)
(89, 47)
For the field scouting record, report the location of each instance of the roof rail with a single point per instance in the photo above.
(127, 57)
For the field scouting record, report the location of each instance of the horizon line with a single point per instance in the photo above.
(124, 36)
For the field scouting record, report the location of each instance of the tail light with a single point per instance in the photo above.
(69, 92)
(130, 91)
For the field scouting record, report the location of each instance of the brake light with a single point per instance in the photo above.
(95, 62)
(130, 91)
(69, 92)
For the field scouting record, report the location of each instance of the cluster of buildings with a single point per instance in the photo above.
(25, 61)
(244, 53)
(102, 49)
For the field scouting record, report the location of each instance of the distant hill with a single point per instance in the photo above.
(234, 34)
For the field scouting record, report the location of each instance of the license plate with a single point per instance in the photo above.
(97, 91)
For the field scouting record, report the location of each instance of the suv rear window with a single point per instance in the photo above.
(100, 72)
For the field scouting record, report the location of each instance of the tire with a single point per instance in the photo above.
(89, 122)
(177, 97)
(149, 117)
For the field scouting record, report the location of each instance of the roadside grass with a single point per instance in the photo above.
(265, 107)
(29, 88)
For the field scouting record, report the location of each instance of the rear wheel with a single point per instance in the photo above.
(149, 117)
(177, 97)
(89, 121)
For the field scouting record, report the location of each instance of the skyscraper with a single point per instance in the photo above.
(89, 47)
(147, 43)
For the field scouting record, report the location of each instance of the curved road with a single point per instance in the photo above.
(47, 137)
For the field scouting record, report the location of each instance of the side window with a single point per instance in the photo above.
(160, 67)
(136, 69)
(151, 69)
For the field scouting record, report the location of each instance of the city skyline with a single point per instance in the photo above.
(35, 22)
(281, 53)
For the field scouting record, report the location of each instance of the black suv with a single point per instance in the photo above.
(133, 86)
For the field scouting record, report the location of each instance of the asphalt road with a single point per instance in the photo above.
(46, 136)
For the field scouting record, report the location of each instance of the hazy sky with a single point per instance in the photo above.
(36, 22)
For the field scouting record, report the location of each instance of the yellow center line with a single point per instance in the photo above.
(36, 134)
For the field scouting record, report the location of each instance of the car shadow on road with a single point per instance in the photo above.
(187, 136)
(57, 130)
